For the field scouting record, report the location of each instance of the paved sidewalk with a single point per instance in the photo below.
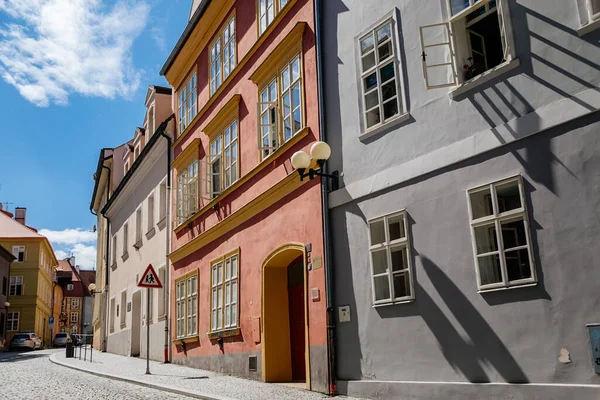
(185, 381)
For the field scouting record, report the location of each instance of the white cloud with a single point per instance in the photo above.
(69, 236)
(61, 254)
(85, 256)
(52, 48)
(159, 36)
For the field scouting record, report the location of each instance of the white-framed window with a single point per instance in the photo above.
(19, 253)
(123, 308)
(150, 212)
(187, 192)
(477, 37)
(74, 303)
(74, 317)
(138, 225)
(382, 92)
(267, 10)
(136, 152)
(126, 167)
(222, 162)
(186, 306)
(224, 293)
(222, 55)
(16, 286)
(593, 9)
(12, 321)
(70, 287)
(505, 259)
(125, 238)
(391, 271)
(162, 201)
(280, 108)
(187, 103)
(114, 250)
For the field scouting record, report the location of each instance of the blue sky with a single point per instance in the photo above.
(73, 78)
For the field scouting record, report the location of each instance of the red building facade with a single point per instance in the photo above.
(247, 277)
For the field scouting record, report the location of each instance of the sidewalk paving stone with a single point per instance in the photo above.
(182, 380)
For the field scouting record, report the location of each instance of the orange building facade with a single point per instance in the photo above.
(248, 279)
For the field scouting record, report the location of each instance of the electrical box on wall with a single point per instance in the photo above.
(594, 332)
(344, 313)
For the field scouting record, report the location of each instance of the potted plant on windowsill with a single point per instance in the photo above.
(470, 70)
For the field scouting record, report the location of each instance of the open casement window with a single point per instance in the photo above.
(268, 133)
(19, 253)
(476, 38)
(390, 259)
(594, 9)
(187, 192)
(505, 259)
(212, 177)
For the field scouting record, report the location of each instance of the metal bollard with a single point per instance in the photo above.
(84, 354)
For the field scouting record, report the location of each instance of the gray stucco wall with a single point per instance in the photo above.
(538, 120)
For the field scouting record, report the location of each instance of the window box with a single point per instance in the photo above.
(188, 339)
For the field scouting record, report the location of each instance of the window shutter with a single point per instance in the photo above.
(438, 55)
(506, 33)
(267, 127)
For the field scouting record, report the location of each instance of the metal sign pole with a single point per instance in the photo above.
(148, 331)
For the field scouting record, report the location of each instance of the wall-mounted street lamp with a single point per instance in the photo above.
(6, 304)
(92, 289)
(320, 152)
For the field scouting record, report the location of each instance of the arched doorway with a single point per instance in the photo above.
(285, 355)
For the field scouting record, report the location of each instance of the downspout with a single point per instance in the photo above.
(166, 284)
(103, 329)
(325, 207)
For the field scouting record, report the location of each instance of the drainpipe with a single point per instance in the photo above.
(103, 329)
(318, 10)
(166, 284)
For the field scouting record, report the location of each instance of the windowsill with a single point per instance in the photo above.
(393, 303)
(138, 245)
(225, 333)
(484, 77)
(123, 326)
(162, 223)
(125, 256)
(243, 179)
(589, 27)
(150, 234)
(500, 289)
(112, 330)
(387, 125)
(162, 318)
(113, 266)
(187, 339)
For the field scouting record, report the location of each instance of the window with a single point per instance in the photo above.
(594, 9)
(390, 259)
(280, 107)
(136, 152)
(123, 308)
(224, 289)
(19, 253)
(125, 234)
(505, 259)
(476, 38)
(150, 212)
(75, 303)
(70, 286)
(126, 167)
(138, 227)
(187, 103)
(162, 293)
(187, 192)
(267, 10)
(74, 317)
(162, 201)
(12, 321)
(16, 286)
(222, 164)
(222, 56)
(186, 308)
(112, 314)
(114, 250)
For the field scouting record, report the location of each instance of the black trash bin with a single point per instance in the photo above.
(70, 349)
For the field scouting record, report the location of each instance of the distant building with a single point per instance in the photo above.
(87, 277)
(73, 302)
(6, 258)
(30, 284)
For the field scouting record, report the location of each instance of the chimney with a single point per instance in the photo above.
(77, 268)
(20, 214)
(71, 261)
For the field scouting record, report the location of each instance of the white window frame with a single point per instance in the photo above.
(123, 315)
(271, 105)
(221, 150)
(224, 297)
(17, 251)
(150, 212)
(125, 238)
(456, 49)
(187, 103)
(592, 16)
(114, 250)
(75, 304)
(16, 281)
(138, 225)
(188, 191)
(76, 315)
(126, 166)
(400, 96)
(186, 305)
(222, 55)
(70, 287)
(387, 246)
(268, 13)
(496, 218)
(12, 321)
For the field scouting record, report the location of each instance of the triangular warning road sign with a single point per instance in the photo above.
(150, 279)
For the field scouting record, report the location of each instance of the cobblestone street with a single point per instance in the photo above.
(31, 375)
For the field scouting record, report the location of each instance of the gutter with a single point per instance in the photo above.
(319, 45)
(185, 36)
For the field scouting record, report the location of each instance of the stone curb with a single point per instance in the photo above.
(164, 388)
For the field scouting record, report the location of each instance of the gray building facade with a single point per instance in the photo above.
(467, 135)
